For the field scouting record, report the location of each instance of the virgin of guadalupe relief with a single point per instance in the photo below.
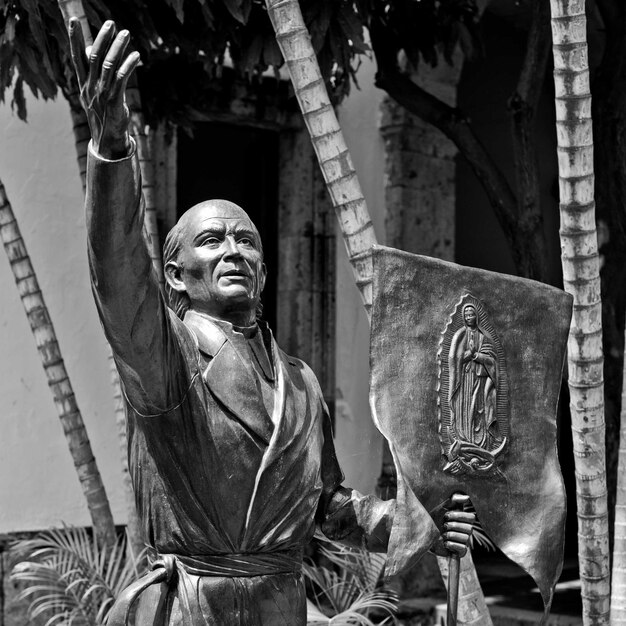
(472, 390)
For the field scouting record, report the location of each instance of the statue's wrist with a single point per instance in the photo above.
(114, 149)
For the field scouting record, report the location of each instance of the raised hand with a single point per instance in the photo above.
(103, 71)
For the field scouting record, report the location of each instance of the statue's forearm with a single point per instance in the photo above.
(118, 256)
(359, 521)
(127, 295)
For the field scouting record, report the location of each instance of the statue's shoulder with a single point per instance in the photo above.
(208, 336)
(298, 368)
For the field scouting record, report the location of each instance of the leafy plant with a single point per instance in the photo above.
(479, 536)
(348, 593)
(71, 579)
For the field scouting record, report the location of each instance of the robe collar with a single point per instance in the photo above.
(229, 374)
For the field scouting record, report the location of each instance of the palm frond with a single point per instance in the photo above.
(69, 578)
(479, 536)
(348, 593)
(358, 612)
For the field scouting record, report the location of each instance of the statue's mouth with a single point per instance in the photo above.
(236, 274)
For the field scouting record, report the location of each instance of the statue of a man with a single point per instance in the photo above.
(473, 381)
(230, 447)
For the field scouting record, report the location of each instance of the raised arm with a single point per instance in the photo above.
(135, 318)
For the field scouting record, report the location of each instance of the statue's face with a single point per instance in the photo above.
(469, 315)
(220, 264)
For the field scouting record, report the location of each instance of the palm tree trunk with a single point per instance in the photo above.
(581, 278)
(58, 381)
(338, 171)
(618, 582)
(136, 544)
(328, 142)
(74, 8)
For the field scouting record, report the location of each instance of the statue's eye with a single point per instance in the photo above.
(246, 241)
(212, 241)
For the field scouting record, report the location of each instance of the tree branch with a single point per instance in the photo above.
(522, 106)
(531, 77)
(454, 125)
(611, 12)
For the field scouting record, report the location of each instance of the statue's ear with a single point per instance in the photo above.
(174, 276)
(263, 277)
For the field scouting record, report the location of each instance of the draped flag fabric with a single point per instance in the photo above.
(466, 368)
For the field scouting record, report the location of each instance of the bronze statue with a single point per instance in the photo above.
(230, 446)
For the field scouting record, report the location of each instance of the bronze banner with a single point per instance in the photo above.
(466, 368)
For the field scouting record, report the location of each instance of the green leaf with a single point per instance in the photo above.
(69, 578)
(206, 13)
(271, 52)
(177, 5)
(235, 8)
(9, 29)
(18, 101)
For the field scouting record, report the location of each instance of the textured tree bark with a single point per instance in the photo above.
(582, 279)
(58, 381)
(609, 122)
(338, 171)
(618, 582)
(328, 142)
(609, 119)
(82, 137)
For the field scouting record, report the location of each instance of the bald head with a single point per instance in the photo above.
(200, 213)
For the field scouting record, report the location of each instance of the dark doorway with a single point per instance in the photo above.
(240, 164)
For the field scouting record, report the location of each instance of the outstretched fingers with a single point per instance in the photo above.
(114, 58)
(123, 74)
(97, 53)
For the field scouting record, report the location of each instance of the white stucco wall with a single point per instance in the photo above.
(38, 483)
(358, 443)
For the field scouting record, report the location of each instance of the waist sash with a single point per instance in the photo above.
(166, 566)
(235, 565)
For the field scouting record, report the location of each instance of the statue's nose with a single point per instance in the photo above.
(231, 247)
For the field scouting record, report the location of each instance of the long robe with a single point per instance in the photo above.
(473, 385)
(227, 491)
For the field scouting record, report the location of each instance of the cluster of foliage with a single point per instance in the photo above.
(177, 39)
(68, 578)
(186, 43)
(349, 591)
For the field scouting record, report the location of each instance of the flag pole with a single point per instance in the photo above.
(454, 569)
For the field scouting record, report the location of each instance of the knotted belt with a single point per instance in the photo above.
(175, 569)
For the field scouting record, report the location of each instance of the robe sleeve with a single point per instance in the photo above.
(136, 320)
(401, 527)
